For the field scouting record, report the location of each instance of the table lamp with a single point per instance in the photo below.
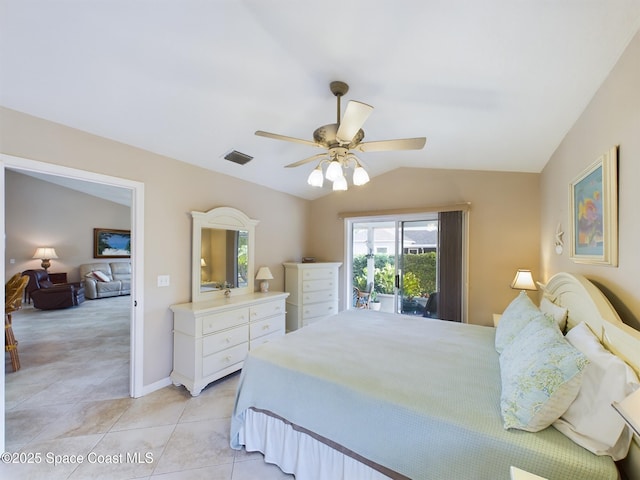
(264, 274)
(45, 254)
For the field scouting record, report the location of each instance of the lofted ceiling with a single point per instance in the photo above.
(492, 84)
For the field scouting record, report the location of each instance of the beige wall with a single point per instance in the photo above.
(504, 223)
(172, 190)
(39, 214)
(611, 118)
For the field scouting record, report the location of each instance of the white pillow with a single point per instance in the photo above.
(100, 276)
(558, 313)
(541, 375)
(591, 421)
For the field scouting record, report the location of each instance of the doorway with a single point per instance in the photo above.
(410, 264)
(136, 192)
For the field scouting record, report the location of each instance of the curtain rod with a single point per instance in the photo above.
(464, 207)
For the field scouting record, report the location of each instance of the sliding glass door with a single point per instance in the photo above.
(417, 272)
(408, 264)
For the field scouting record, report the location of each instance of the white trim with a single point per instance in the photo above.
(152, 387)
(2, 243)
(136, 387)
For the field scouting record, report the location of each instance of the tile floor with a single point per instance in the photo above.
(70, 398)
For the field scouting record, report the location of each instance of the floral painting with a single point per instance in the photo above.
(594, 214)
(588, 205)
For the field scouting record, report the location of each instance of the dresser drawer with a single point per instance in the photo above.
(319, 296)
(316, 285)
(267, 326)
(221, 321)
(264, 310)
(319, 310)
(226, 339)
(318, 274)
(266, 338)
(226, 358)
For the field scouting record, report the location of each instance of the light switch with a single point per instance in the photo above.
(163, 280)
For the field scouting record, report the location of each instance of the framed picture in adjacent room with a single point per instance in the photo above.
(593, 208)
(110, 243)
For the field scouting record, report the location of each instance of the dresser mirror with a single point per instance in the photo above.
(223, 251)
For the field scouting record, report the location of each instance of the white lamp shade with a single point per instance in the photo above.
(45, 253)
(334, 171)
(340, 183)
(264, 274)
(360, 176)
(316, 178)
(523, 281)
(203, 263)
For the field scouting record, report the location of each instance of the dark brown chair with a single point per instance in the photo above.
(49, 296)
(13, 291)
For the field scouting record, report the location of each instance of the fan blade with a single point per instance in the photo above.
(399, 144)
(275, 136)
(307, 160)
(352, 121)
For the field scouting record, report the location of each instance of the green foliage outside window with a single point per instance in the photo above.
(419, 277)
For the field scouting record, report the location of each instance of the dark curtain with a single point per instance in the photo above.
(450, 266)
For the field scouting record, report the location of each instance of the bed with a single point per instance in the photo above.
(370, 395)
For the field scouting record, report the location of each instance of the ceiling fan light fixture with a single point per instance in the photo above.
(360, 176)
(334, 170)
(316, 178)
(340, 184)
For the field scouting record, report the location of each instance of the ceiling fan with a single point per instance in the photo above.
(340, 139)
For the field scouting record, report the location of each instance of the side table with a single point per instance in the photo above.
(60, 277)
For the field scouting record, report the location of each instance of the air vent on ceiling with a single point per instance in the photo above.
(238, 157)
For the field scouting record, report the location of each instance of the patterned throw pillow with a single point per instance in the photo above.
(541, 376)
(514, 318)
(559, 314)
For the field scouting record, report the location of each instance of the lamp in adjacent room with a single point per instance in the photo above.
(264, 274)
(45, 254)
(523, 281)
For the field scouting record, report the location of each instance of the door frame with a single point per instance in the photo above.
(137, 258)
(396, 217)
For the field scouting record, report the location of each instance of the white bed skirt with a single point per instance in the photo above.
(297, 453)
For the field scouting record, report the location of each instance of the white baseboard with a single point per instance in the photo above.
(147, 389)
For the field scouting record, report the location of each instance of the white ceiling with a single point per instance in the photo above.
(492, 84)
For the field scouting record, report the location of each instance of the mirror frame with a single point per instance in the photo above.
(224, 218)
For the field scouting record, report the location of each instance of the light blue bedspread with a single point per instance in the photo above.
(419, 396)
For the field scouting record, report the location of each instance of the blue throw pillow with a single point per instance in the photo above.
(514, 318)
(541, 375)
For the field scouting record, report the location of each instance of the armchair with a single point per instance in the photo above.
(49, 296)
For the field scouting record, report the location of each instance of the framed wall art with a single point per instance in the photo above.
(110, 243)
(593, 198)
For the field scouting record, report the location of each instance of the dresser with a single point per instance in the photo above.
(313, 289)
(211, 338)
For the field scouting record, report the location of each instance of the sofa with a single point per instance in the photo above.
(104, 279)
(47, 295)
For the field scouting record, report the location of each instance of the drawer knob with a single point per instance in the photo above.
(227, 359)
(266, 327)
